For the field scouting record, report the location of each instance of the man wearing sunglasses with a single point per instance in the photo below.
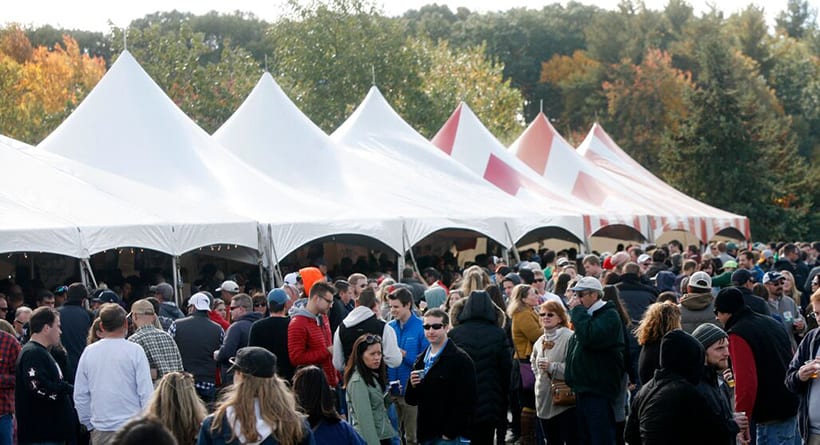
(442, 385)
(595, 361)
(243, 316)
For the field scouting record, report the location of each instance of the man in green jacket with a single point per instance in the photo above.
(595, 361)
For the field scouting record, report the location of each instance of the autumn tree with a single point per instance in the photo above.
(471, 78)
(578, 78)
(41, 86)
(735, 149)
(643, 102)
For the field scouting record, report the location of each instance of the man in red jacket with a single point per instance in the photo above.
(309, 338)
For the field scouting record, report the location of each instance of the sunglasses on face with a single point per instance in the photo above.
(546, 314)
(434, 326)
(260, 305)
(539, 280)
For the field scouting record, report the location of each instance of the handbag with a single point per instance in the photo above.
(527, 376)
(562, 394)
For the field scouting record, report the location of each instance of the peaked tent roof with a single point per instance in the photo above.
(546, 152)
(129, 127)
(98, 220)
(464, 138)
(411, 165)
(703, 220)
(268, 129)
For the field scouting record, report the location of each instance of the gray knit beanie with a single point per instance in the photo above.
(708, 334)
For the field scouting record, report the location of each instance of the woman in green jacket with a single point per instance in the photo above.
(365, 378)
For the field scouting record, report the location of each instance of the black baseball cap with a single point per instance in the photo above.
(255, 361)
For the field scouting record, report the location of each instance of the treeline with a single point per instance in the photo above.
(723, 108)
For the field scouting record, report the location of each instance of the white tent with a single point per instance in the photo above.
(269, 130)
(464, 138)
(701, 219)
(130, 128)
(99, 220)
(409, 163)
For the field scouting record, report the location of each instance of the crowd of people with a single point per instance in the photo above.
(652, 345)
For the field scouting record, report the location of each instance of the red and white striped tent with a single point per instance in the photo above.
(702, 220)
(464, 138)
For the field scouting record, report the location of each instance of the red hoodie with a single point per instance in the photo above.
(308, 341)
(216, 318)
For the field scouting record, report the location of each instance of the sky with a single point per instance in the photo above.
(92, 15)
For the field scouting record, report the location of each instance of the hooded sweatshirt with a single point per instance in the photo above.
(697, 309)
(308, 342)
(363, 321)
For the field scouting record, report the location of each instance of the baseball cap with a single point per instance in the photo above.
(292, 278)
(730, 264)
(142, 307)
(587, 283)
(108, 296)
(278, 296)
(562, 262)
(772, 275)
(200, 302)
(643, 258)
(741, 276)
(700, 280)
(229, 286)
(255, 361)
(164, 289)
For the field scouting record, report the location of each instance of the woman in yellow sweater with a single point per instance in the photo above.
(525, 331)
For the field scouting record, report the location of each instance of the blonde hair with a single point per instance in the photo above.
(516, 304)
(474, 278)
(277, 407)
(177, 406)
(92, 332)
(795, 293)
(658, 319)
(6, 326)
(558, 309)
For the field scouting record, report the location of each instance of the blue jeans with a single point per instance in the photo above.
(778, 433)
(6, 429)
(596, 419)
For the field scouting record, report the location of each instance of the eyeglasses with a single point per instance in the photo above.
(434, 326)
(546, 314)
(370, 339)
(235, 307)
(260, 305)
(327, 300)
(539, 280)
(4, 309)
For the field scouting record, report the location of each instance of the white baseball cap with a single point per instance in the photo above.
(200, 301)
(229, 286)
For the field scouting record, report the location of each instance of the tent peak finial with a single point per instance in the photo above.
(373, 73)
(541, 106)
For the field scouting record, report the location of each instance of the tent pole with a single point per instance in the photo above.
(176, 281)
(83, 278)
(262, 276)
(406, 239)
(88, 269)
(275, 266)
(512, 243)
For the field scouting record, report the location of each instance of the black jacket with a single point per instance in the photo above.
(272, 334)
(806, 351)
(771, 350)
(635, 295)
(668, 409)
(75, 321)
(447, 395)
(338, 312)
(197, 337)
(719, 402)
(479, 335)
(40, 395)
(754, 302)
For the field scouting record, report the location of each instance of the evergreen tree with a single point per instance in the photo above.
(735, 151)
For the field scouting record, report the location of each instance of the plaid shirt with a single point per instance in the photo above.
(9, 350)
(160, 348)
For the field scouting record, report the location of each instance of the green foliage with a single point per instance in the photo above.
(740, 143)
(207, 80)
(798, 19)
